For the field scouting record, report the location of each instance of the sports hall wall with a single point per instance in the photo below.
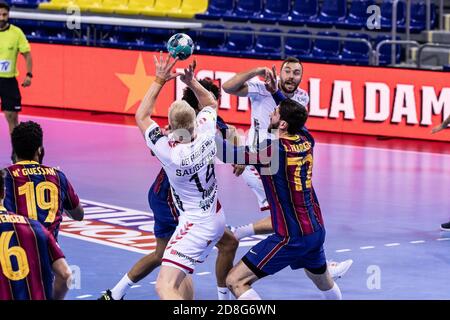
(362, 100)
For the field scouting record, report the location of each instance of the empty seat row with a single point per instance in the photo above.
(220, 42)
(305, 47)
(339, 13)
(171, 8)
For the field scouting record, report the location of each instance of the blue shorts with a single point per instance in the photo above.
(275, 253)
(164, 212)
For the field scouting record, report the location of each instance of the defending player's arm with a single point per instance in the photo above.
(271, 85)
(71, 204)
(63, 276)
(60, 268)
(230, 153)
(238, 85)
(442, 126)
(163, 74)
(205, 97)
(77, 213)
(233, 139)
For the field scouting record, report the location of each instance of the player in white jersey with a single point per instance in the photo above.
(246, 84)
(187, 156)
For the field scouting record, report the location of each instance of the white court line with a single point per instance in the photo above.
(84, 296)
(367, 247)
(443, 239)
(322, 143)
(417, 241)
(392, 244)
(203, 273)
(343, 250)
(136, 286)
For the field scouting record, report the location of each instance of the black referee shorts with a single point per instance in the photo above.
(10, 95)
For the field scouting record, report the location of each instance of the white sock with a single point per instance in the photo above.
(244, 231)
(121, 287)
(223, 293)
(333, 294)
(250, 295)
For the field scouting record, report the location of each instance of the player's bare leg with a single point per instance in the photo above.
(168, 283)
(150, 262)
(239, 281)
(187, 288)
(227, 247)
(325, 283)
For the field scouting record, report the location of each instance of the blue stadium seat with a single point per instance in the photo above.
(331, 12)
(273, 11)
(298, 47)
(57, 32)
(386, 14)
(240, 44)
(245, 10)
(217, 9)
(25, 3)
(35, 34)
(357, 15)
(302, 11)
(385, 52)
(207, 41)
(419, 17)
(355, 52)
(268, 46)
(326, 50)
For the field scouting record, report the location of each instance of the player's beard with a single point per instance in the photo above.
(283, 86)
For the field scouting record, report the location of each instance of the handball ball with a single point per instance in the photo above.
(180, 45)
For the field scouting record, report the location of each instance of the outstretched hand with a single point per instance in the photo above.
(164, 67)
(188, 75)
(437, 129)
(271, 80)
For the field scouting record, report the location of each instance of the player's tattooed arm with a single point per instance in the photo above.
(442, 126)
(205, 98)
(164, 73)
(237, 85)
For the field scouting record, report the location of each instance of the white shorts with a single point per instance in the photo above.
(191, 243)
(253, 180)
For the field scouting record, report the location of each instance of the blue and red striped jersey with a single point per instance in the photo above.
(294, 206)
(39, 193)
(28, 251)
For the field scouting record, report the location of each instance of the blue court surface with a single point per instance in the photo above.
(382, 208)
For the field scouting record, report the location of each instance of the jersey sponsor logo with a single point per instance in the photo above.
(155, 134)
(120, 227)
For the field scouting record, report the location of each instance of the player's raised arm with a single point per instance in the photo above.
(205, 97)
(164, 73)
(238, 86)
